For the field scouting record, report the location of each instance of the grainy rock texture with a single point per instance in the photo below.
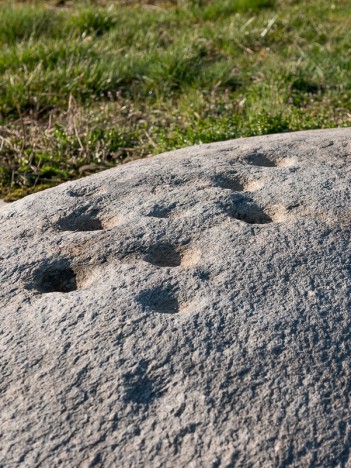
(188, 310)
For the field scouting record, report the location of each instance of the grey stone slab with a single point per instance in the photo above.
(191, 309)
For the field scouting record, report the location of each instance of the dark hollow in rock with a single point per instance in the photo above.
(161, 211)
(161, 300)
(227, 182)
(60, 278)
(248, 211)
(254, 217)
(140, 387)
(259, 159)
(164, 255)
(80, 222)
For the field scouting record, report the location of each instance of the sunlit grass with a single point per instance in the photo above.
(87, 85)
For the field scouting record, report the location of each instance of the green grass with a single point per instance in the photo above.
(88, 85)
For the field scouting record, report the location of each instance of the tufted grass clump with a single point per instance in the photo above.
(86, 85)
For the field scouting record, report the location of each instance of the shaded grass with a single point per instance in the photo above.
(88, 85)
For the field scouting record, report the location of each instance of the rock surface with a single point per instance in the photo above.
(188, 310)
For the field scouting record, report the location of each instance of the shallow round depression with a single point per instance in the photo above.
(80, 223)
(59, 277)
